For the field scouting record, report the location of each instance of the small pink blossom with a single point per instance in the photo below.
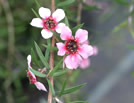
(74, 47)
(32, 77)
(86, 62)
(49, 22)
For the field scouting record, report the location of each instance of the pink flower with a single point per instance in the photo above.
(86, 62)
(74, 47)
(32, 77)
(49, 22)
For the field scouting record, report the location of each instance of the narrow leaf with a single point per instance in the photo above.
(73, 89)
(35, 13)
(37, 73)
(41, 56)
(77, 27)
(66, 21)
(60, 73)
(37, 3)
(51, 88)
(65, 3)
(34, 57)
(56, 68)
(50, 48)
(63, 87)
(47, 50)
(123, 2)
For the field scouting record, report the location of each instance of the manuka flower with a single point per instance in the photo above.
(86, 62)
(32, 77)
(49, 22)
(75, 48)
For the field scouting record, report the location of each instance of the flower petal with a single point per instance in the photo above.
(59, 27)
(72, 61)
(40, 86)
(95, 50)
(37, 22)
(46, 34)
(85, 63)
(85, 51)
(66, 33)
(59, 14)
(29, 61)
(44, 12)
(81, 35)
(61, 48)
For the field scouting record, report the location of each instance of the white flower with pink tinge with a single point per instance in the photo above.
(49, 22)
(32, 77)
(76, 49)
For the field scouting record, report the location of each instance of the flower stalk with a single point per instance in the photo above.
(51, 61)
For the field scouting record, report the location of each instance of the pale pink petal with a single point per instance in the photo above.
(58, 14)
(85, 63)
(44, 12)
(59, 27)
(95, 50)
(81, 35)
(46, 34)
(85, 51)
(66, 33)
(29, 61)
(61, 48)
(86, 42)
(73, 61)
(37, 22)
(40, 86)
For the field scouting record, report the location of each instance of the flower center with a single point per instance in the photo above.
(71, 46)
(49, 23)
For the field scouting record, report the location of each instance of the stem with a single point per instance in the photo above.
(51, 61)
(79, 11)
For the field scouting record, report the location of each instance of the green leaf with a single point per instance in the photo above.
(77, 27)
(65, 3)
(41, 56)
(35, 13)
(63, 87)
(73, 89)
(66, 21)
(131, 47)
(47, 50)
(122, 25)
(79, 102)
(50, 47)
(123, 2)
(55, 68)
(37, 73)
(59, 73)
(37, 3)
(51, 88)
(34, 57)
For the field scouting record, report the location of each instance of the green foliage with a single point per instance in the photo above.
(37, 73)
(62, 89)
(123, 2)
(79, 102)
(77, 27)
(56, 68)
(65, 3)
(51, 88)
(72, 89)
(35, 13)
(41, 56)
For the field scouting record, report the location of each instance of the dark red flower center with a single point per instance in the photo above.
(31, 78)
(71, 46)
(49, 23)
